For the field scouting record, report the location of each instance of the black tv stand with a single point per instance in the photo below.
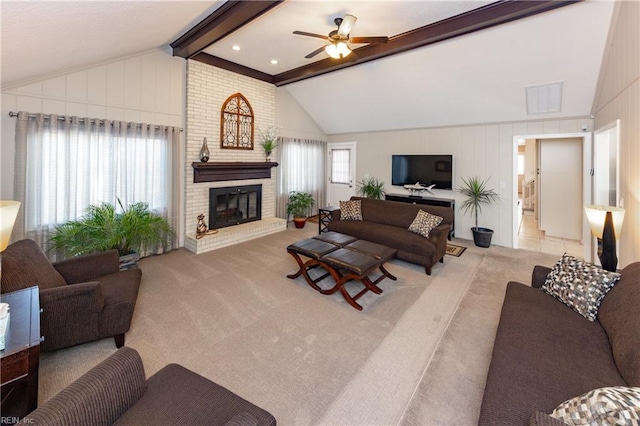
(430, 201)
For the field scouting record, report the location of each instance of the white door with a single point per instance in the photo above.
(342, 172)
(560, 165)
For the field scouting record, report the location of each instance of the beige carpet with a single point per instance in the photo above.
(232, 316)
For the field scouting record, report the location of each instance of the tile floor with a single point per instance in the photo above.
(531, 238)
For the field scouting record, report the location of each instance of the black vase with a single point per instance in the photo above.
(482, 236)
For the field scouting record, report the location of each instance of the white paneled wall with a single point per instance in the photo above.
(208, 88)
(486, 151)
(619, 98)
(147, 88)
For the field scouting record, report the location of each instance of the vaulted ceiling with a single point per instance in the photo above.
(477, 77)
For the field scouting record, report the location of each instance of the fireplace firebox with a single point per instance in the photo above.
(233, 205)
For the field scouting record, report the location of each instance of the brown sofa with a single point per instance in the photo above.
(84, 298)
(116, 392)
(545, 353)
(387, 222)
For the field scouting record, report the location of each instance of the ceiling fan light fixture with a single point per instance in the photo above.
(338, 50)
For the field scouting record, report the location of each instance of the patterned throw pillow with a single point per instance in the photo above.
(579, 285)
(617, 405)
(424, 223)
(351, 210)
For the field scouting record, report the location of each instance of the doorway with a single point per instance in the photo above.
(552, 161)
(341, 171)
(606, 172)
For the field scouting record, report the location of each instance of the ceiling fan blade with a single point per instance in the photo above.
(359, 40)
(324, 37)
(315, 52)
(347, 24)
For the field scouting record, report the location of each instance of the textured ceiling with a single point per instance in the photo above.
(40, 38)
(271, 36)
(476, 78)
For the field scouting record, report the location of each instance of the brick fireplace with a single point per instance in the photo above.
(207, 89)
(233, 205)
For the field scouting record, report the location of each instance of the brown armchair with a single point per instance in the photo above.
(84, 298)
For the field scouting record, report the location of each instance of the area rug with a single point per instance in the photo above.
(455, 250)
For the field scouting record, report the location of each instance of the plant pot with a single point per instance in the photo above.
(129, 261)
(299, 222)
(482, 236)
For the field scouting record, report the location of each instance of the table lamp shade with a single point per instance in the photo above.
(8, 214)
(597, 214)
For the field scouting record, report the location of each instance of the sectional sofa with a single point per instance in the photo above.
(546, 353)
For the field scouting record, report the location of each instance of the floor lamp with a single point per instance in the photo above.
(606, 223)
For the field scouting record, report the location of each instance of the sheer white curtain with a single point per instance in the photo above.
(64, 164)
(302, 168)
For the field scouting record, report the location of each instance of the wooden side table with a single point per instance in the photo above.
(20, 357)
(325, 218)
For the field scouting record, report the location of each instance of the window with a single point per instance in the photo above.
(236, 123)
(65, 164)
(302, 168)
(341, 166)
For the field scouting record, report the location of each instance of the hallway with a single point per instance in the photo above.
(531, 238)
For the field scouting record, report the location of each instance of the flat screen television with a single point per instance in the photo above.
(427, 169)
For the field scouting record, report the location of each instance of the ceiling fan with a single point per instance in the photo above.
(338, 39)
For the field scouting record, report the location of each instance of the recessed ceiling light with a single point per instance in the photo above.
(235, 47)
(274, 62)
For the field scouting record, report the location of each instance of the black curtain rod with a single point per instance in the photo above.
(81, 120)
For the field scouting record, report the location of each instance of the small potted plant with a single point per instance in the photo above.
(269, 140)
(476, 192)
(299, 206)
(371, 188)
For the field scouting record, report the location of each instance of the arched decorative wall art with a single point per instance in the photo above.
(236, 123)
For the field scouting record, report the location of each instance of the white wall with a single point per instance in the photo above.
(483, 150)
(293, 120)
(618, 97)
(146, 88)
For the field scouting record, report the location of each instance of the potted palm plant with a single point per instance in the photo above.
(371, 188)
(477, 193)
(132, 231)
(299, 206)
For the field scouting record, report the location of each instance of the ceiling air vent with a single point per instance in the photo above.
(544, 98)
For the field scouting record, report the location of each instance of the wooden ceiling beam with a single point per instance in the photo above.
(493, 14)
(235, 14)
(228, 18)
(224, 64)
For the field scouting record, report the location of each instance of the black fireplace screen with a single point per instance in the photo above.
(234, 205)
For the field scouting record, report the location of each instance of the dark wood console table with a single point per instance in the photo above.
(20, 357)
(431, 201)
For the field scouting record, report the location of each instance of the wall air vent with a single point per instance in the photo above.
(544, 98)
